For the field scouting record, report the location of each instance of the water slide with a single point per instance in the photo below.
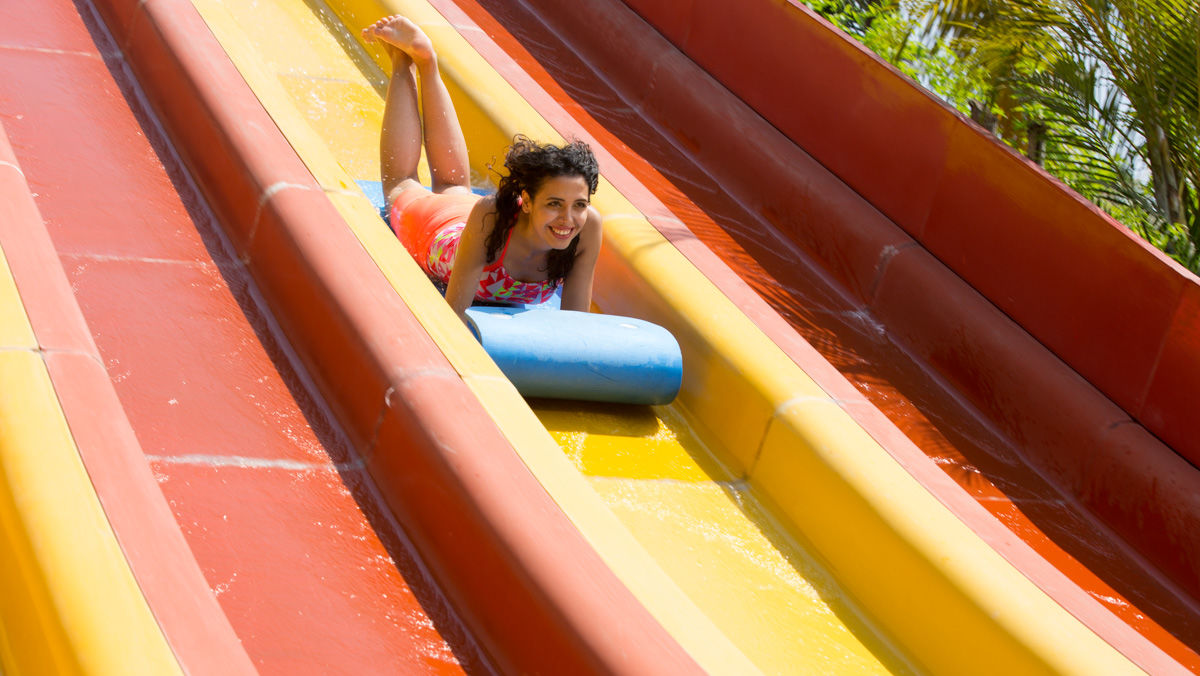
(262, 442)
(148, 393)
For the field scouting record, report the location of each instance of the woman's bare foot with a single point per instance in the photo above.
(397, 31)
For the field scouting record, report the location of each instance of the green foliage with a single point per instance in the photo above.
(1108, 88)
(885, 29)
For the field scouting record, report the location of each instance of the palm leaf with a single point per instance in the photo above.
(1114, 82)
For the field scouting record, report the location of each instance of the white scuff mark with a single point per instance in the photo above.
(246, 462)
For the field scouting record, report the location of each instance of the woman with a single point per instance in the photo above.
(539, 230)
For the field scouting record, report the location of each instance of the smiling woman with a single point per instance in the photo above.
(538, 232)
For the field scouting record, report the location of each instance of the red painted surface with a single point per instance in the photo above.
(195, 488)
(1178, 368)
(1098, 297)
(167, 573)
(833, 266)
(265, 530)
(531, 589)
(1082, 286)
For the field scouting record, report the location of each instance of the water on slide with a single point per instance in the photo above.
(961, 441)
(709, 530)
(261, 493)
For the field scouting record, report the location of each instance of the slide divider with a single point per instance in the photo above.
(536, 596)
(99, 576)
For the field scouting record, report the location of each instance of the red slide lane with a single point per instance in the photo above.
(200, 404)
(162, 560)
(1038, 445)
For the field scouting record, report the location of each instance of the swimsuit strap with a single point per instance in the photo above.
(504, 251)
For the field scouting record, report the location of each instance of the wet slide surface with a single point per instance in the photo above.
(651, 466)
(279, 514)
(282, 519)
(959, 440)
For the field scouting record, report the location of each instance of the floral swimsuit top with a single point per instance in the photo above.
(496, 284)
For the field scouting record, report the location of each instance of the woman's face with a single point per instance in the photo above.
(558, 210)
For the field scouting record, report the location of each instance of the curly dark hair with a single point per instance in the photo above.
(530, 165)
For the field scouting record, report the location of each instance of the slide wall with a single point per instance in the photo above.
(551, 571)
(771, 210)
(1120, 315)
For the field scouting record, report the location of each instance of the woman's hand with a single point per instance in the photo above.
(577, 287)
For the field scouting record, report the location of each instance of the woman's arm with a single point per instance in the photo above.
(471, 257)
(577, 287)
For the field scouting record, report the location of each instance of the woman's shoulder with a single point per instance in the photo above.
(595, 222)
(486, 202)
(483, 214)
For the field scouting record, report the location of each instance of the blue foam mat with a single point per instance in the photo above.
(581, 355)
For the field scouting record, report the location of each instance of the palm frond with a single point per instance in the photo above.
(1115, 84)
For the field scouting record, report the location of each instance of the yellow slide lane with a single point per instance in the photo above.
(69, 603)
(752, 518)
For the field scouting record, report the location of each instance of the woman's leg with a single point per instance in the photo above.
(400, 139)
(400, 143)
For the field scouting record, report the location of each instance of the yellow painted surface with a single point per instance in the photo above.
(777, 602)
(71, 604)
(635, 442)
(337, 104)
(329, 152)
(15, 331)
(910, 561)
(761, 535)
(710, 532)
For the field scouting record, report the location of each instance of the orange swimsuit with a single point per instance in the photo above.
(430, 226)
